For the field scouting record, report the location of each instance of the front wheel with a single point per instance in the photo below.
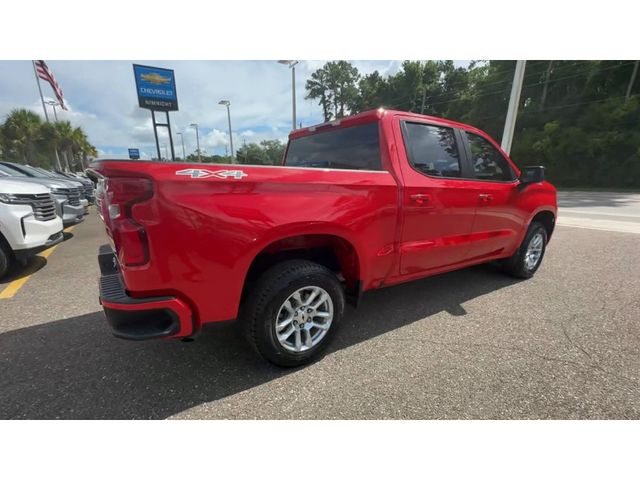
(293, 311)
(5, 260)
(528, 257)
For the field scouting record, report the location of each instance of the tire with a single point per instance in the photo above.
(519, 265)
(4, 260)
(265, 314)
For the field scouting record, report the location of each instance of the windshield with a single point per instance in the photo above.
(30, 171)
(45, 172)
(11, 171)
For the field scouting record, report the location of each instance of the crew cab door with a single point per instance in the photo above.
(437, 207)
(498, 222)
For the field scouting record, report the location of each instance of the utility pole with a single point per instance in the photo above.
(293, 92)
(633, 80)
(424, 98)
(512, 111)
(546, 85)
(292, 65)
(227, 104)
(195, 125)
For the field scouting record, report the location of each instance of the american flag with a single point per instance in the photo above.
(45, 74)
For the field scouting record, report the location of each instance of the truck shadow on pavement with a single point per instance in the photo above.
(75, 369)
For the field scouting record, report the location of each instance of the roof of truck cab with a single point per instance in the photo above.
(373, 115)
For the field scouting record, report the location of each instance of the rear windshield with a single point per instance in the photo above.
(353, 148)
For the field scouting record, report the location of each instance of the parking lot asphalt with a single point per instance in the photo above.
(464, 345)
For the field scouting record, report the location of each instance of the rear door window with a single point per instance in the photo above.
(351, 148)
(432, 150)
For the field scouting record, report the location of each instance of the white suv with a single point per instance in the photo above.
(28, 221)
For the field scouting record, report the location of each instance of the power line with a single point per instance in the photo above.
(507, 80)
(549, 81)
(555, 71)
(524, 86)
(556, 107)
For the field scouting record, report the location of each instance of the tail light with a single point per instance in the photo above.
(129, 237)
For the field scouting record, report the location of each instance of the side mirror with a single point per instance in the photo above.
(531, 175)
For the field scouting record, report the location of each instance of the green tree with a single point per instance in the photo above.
(581, 119)
(414, 84)
(64, 133)
(21, 133)
(267, 152)
(51, 141)
(25, 138)
(318, 89)
(335, 86)
(373, 91)
(273, 150)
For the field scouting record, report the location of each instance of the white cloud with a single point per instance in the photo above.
(215, 138)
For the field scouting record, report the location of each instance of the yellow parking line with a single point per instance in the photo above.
(11, 289)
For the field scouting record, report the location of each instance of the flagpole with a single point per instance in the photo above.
(35, 72)
(46, 115)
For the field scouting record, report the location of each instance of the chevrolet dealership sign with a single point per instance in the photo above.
(156, 88)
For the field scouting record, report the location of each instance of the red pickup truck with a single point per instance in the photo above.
(360, 203)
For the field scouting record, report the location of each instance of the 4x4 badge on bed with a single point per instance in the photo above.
(202, 173)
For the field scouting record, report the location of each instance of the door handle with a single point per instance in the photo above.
(485, 197)
(421, 198)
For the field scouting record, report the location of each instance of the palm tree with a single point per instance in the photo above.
(64, 134)
(88, 151)
(81, 146)
(26, 138)
(51, 141)
(21, 131)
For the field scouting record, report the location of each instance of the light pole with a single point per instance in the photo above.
(184, 156)
(292, 65)
(54, 104)
(195, 125)
(227, 104)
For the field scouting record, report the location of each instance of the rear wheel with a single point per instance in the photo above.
(527, 259)
(293, 311)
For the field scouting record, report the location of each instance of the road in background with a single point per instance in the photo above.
(617, 212)
(468, 344)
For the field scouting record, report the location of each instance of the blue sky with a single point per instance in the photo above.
(102, 99)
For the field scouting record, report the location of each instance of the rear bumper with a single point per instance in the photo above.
(139, 318)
